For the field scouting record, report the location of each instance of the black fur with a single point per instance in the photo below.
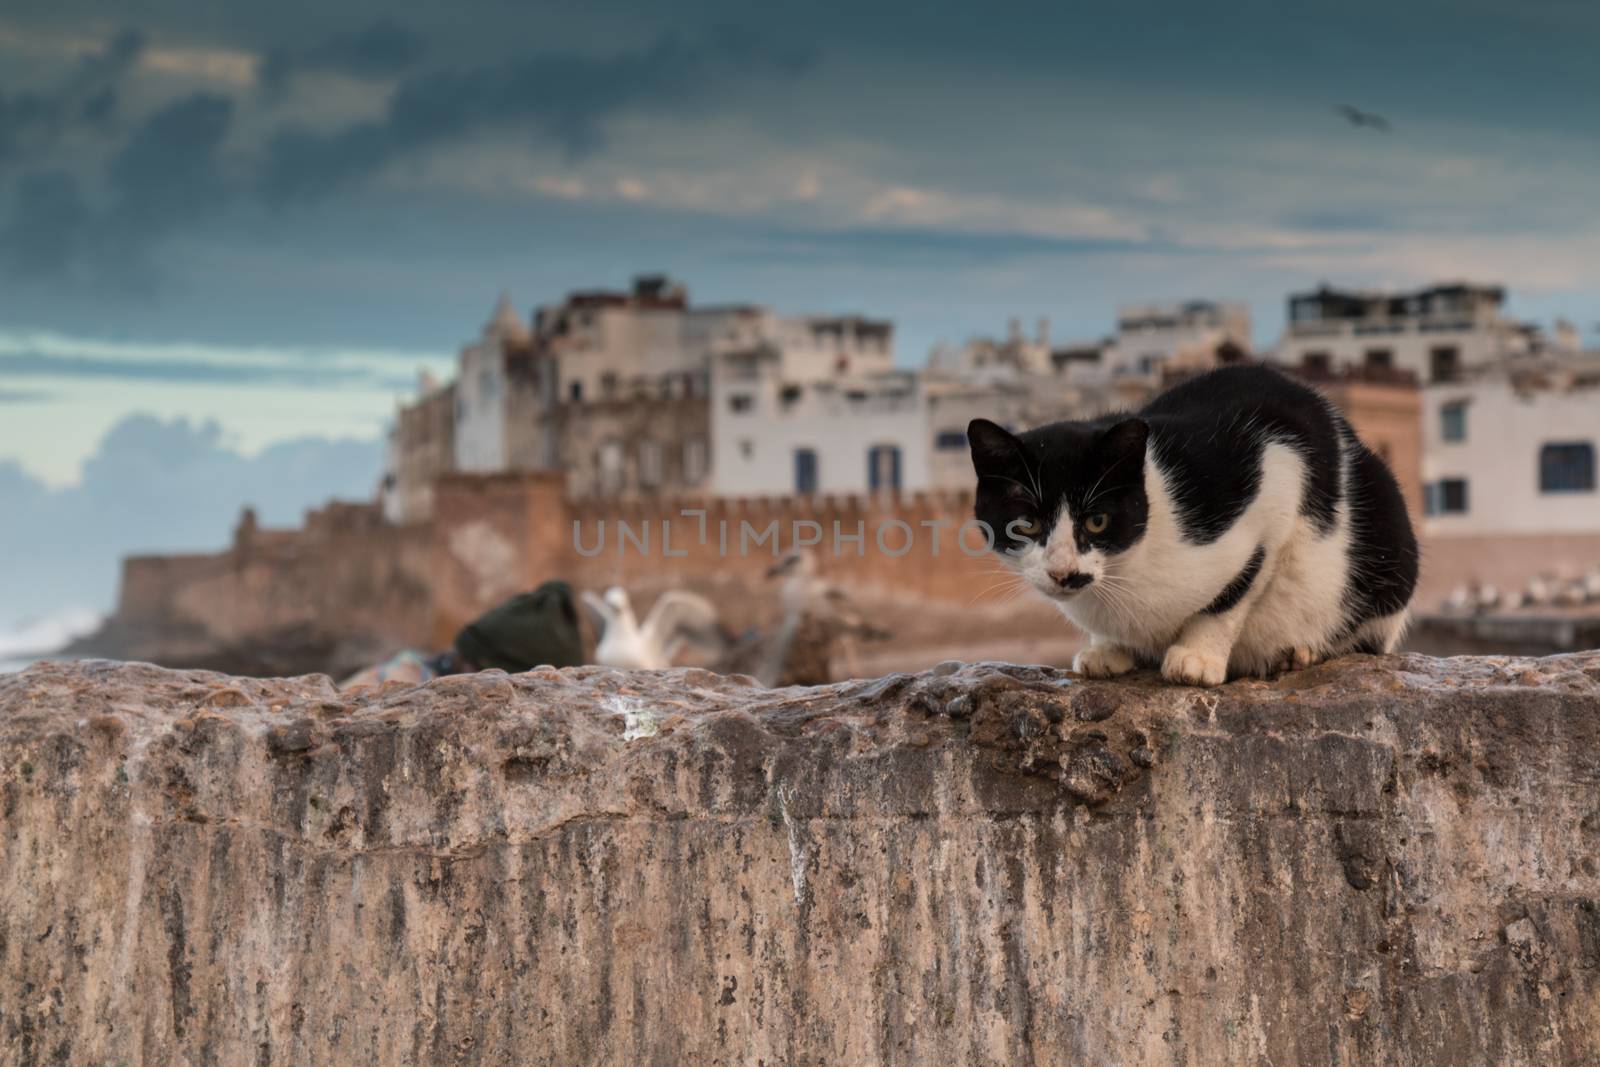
(1209, 435)
(1235, 590)
(1027, 477)
(1383, 550)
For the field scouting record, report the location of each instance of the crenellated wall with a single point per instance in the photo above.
(493, 536)
(327, 596)
(348, 586)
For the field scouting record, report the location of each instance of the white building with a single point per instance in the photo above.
(815, 406)
(1151, 338)
(855, 434)
(1438, 333)
(775, 431)
(1513, 451)
(483, 393)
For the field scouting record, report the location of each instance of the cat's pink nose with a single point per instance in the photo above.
(1071, 579)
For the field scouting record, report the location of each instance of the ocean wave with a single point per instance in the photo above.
(36, 638)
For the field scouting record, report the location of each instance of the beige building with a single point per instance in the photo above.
(636, 447)
(614, 387)
(1385, 409)
(421, 448)
(1438, 333)
(1156, 339)
(632, 378)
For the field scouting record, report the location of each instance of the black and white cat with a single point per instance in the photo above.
(1233, 526)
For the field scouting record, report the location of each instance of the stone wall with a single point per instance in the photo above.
(1507, 561)
(349, 587)
(496, 535)
(332, 595)
(1375, 861)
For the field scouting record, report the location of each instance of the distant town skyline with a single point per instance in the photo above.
(340, 178)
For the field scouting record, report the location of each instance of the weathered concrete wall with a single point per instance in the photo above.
(1379, 861)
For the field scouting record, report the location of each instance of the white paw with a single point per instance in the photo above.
(1103, 661)
(1300, 657)
(1188, 666)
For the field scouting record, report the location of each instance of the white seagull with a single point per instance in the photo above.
(676, 619)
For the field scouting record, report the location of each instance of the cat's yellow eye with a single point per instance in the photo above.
(1097, 522)
(1027, 527)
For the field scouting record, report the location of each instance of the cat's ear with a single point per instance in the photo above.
(994, 448)
(1127, 439)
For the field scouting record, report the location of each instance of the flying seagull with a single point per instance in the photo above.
(1356, 117)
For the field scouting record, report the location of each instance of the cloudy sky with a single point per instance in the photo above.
(272, 215)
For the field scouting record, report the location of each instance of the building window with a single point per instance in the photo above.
(575, 390)
(950, 440)
(789, 396)
(883, 468)
(805, 471)
(1380, 357)
(1444, 364)
(1453, 421)
(1317, 362)
(610, 463)
(1449, 497)
(694, 461)
(1566, 467)
(741, 403)
(649, 464)
(608, 384)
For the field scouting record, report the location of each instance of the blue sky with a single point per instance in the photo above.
(273, 215)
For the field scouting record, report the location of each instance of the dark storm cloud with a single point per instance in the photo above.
(31, 122)
(48, 225)
(563, 97)
(168, 177)
(381, 50)
(111, 62)
(169, 171)
(165, 177)
(1026, 100)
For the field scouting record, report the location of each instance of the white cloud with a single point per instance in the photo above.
(191, 62)
(284, 392)
(632, 189)
(155, 485)
(939, 208)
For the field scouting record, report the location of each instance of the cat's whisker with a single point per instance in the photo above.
(1013, 580)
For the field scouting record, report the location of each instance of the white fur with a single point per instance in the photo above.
(1146, 604)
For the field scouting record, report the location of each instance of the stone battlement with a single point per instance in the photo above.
(353, 586)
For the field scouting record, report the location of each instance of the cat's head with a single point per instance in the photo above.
(1061, 500)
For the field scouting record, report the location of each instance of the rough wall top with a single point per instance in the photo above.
(1378, 860)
